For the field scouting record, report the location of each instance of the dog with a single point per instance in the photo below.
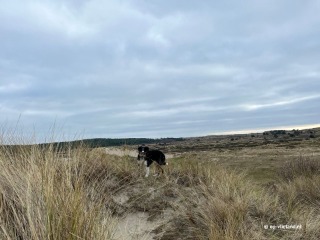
(150, 156)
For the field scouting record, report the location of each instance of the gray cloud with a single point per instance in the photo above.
(159, 69)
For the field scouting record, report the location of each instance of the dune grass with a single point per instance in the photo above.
(212, 202)
(49, 194)
(46, 196)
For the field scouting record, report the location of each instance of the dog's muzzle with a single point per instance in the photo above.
(142, 155)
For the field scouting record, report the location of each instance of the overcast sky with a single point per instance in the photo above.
(143, 68)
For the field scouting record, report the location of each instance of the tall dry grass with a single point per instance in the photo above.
(49, 195)
(221, 204)
(300, 167)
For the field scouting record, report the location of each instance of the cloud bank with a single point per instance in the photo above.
(159, 68)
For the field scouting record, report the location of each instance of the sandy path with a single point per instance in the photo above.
(135, 225)
(128, 152)
(121, 152)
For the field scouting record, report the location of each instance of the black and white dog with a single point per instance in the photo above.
(150, 156)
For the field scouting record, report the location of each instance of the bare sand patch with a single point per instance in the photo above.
(121, 152)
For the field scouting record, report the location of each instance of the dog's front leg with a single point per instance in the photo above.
(147, 172)
(147, 168)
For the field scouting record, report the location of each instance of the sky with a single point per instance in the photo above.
(156, 68)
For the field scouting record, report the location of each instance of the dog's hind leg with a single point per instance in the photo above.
(156, 173)
(159, 170)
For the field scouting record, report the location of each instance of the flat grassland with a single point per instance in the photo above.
(250, 186)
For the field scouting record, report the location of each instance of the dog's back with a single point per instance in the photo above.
(157, 156)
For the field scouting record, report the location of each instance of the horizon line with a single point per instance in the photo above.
(261, 130)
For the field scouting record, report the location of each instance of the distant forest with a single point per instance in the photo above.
(111, 142)
(99, 142)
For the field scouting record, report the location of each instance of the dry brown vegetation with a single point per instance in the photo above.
(88, 194)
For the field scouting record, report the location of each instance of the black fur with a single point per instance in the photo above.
(155, 156)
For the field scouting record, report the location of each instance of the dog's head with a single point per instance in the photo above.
(142, 150)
